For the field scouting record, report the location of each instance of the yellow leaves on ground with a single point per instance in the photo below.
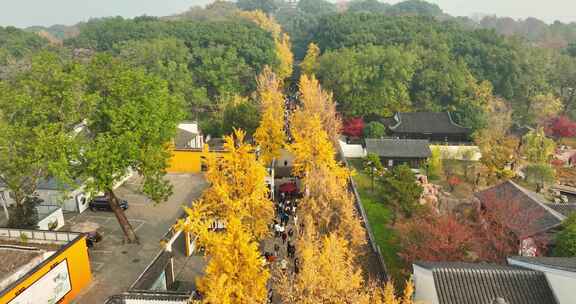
(281, 40)
(235, 272)
(270, 134)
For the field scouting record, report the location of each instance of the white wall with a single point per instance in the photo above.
(56, 215)
(458, 152)
(352, 151)
(563, 283)
(67, 200)
(424, 288)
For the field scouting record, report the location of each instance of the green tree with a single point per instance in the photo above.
(564, 82)
(372, 166)
(566, 239)
(310, 62)
(368, 6)
(131, 128)
(317, 7)
(224, 56)
(241, 115)
(25, 215)
(434, 164)
(401, 190)
(40, 108)
(540, 174)
(538, 148)
(369, 80)
(374, 129)
(416, 7)
(16, 43)
(167, 58)
(267, 6)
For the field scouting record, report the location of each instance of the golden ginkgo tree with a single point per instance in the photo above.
(235, 272)
(311, 146)
(310, 61)
(281, 40)
(316, 100)
(331, 205)
(238, 186)
(270, 135)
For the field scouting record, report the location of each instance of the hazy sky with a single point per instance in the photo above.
(24, 13)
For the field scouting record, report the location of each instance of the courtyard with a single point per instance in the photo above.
(116, 265)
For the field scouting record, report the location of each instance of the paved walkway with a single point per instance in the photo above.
(276, 241)
(115, 266)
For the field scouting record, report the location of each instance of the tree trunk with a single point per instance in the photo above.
(129, 233)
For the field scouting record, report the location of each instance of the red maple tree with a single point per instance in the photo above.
(502, 224)
(353, 127)
(435, 238)
(492, 234)
(561, 126)
(454, 181)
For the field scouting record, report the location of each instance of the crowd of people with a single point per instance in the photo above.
(286, 229)
(290, 104)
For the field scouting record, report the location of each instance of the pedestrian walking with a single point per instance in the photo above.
(290, 233)
(284, 237)
(296, 266)
(276, 249)
(283, 265)
(277, 229)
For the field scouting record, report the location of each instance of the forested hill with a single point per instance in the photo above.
(376, 58)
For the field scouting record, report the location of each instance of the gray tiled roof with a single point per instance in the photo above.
(529, 202)
(469, 283)
(565, 208)
(390, 147)
(149, 297)
(562, 263)
(426, 122)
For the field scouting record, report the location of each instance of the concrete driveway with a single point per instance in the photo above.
(115, 266)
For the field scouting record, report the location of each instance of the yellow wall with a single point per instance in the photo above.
(78, 268)
(185, 161)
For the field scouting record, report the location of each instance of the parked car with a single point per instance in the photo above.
(101, 203)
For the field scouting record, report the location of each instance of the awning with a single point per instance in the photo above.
(289, 187)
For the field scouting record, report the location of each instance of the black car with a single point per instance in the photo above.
(101, 203)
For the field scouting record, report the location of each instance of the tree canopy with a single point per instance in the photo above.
(223, 57)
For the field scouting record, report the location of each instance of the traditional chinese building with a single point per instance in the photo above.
(433, 126)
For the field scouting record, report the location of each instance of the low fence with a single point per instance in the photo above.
(38, 236)
(373, 245)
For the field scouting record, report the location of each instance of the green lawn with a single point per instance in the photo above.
(379, 217)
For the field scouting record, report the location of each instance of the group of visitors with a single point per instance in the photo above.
(290, 103)
(285, 228)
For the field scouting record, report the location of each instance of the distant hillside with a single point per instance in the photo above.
(58, 31)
